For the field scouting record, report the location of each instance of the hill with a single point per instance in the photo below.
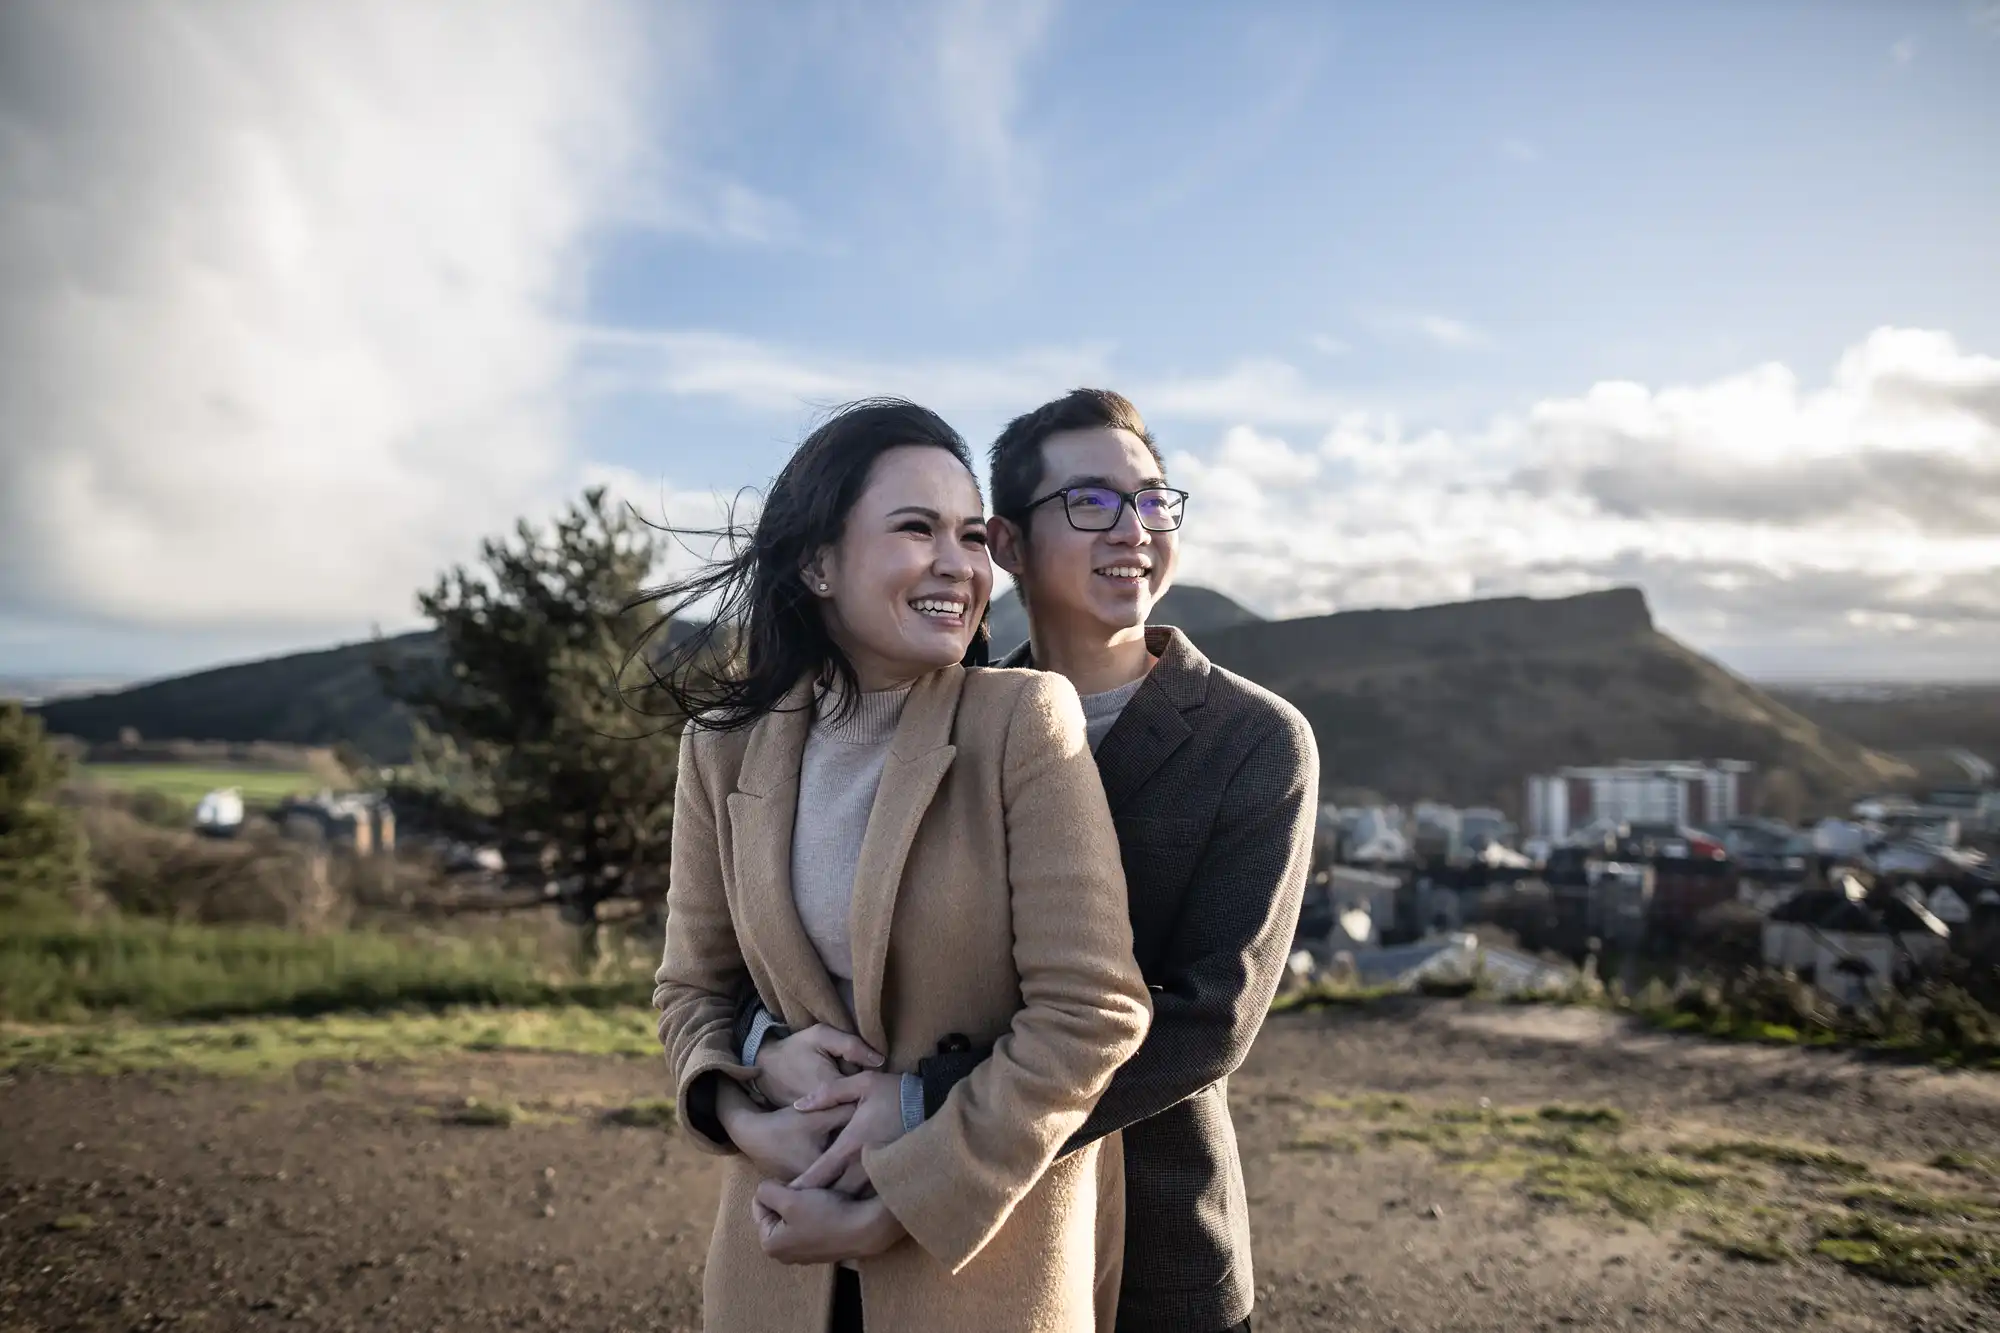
(1196, 610)
(1459, 702)
(1456, 702)
(316, 698)
(1917, 721)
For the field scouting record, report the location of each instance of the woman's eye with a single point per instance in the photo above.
(916, 525)
(976, 537)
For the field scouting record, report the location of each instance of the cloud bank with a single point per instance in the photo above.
(288, 287)
(1850, 529)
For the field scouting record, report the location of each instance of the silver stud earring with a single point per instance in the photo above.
(822, 587)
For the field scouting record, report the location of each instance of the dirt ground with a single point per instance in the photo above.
(349, 1198)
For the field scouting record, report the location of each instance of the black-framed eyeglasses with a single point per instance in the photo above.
(1099, 508)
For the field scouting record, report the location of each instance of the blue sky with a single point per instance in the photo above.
(1424, 301)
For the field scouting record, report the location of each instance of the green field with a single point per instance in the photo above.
(191, 782)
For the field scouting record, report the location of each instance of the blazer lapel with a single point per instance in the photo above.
(762, 811)
(1152, 727)
(919, 758)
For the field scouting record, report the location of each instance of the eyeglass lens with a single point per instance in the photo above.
(1097, 508)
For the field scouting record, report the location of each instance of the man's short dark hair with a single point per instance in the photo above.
(1016, 456)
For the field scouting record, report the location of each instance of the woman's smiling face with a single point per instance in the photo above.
(907, 584)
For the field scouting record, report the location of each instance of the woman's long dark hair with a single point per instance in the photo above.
(765, 631)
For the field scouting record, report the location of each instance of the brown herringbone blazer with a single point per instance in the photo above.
(989, 902)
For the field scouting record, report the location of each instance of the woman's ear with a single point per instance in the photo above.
(813, 574)
(1008, 544)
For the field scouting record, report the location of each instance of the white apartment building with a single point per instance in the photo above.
(1631, 791)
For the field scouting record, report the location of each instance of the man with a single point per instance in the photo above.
(1213, 783)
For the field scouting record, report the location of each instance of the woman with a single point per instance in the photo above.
(877, 838)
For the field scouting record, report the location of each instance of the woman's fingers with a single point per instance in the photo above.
(845, 1046)
(840, 1092)
(773, 1196)
(831, 1166)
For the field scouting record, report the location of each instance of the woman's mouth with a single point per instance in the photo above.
(945, 610)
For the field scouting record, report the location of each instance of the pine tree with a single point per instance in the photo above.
(521, 727)
(42, 865)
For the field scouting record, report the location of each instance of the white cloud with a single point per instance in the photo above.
(1520, 150)
(766, 377)
(1441, 330)
(979, 53)
(286, 291)
(1844, 529)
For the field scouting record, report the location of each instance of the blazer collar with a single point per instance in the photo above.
(1153, 724)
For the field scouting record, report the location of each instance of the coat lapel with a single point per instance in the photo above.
(762, 811)
(918, 759)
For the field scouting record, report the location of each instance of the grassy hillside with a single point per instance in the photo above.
(1908, 718)
(317, 698)
(1459, 702)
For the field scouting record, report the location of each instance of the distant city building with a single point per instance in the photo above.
(1674, 791)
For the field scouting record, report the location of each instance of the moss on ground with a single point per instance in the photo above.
(646, 1113)
(1751, 1199)
(263, 1047)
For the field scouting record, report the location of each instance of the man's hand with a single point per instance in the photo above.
(821, 1227)
(789, 1068)
(875, 1102)
(780, 1143)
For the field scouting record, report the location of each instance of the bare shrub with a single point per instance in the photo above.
(253, 879)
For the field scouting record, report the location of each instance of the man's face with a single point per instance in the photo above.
(1093, 580)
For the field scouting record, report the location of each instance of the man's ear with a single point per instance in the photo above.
(1008, 543)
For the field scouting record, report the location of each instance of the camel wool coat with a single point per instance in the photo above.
(989, 902)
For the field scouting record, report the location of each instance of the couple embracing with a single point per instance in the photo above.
(959, 960)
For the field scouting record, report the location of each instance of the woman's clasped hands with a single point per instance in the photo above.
(816, 1204)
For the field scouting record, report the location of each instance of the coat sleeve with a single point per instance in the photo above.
(1228, 953)
(953, 1180)
(702, 974)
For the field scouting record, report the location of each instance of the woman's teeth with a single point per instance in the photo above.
(941, 609)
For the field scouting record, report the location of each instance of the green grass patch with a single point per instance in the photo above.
(262, 1047)
(1904, 1202)
(646, 1113)
(1588, 1117)
(1797, 1156)
(1911, 1256)
(74, 1222)
(1967, 1163)
(1738, 1239)
(191, 782)
(477, 1114)
(60, 970)
(1323, 995)
(1639, 1185)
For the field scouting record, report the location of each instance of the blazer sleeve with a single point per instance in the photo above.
(702, 974)
(1227, 955)
(954, 1179)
